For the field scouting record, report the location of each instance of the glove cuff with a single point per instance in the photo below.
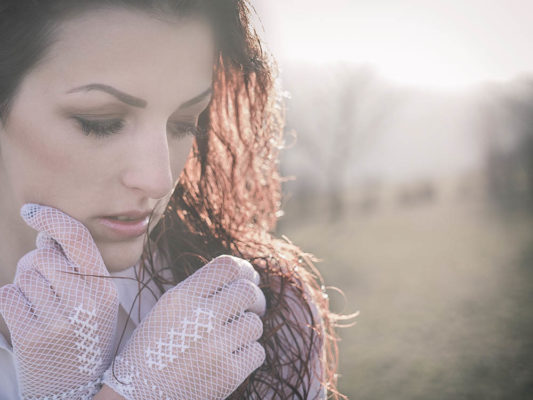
(84, 392)
(122, 383)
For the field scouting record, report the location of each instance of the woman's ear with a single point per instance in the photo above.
(3, 123)
(2, 133)
(2, 136)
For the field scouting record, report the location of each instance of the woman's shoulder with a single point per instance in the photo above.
(297, 287)
(296, 315)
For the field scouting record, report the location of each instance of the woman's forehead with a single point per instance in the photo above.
(132, 50)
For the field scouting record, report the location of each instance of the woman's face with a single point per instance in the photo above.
(102, 125)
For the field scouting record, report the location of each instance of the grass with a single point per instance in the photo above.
(445, 294)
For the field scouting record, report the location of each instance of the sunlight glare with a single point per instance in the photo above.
(401, 54)
(443, 45)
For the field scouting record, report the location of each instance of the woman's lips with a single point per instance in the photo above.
(124, 229)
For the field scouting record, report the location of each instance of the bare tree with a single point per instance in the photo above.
(337, 114)
(508, 126)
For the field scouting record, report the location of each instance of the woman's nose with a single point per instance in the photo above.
(148, 164)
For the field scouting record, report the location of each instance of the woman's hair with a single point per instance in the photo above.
(227, 200)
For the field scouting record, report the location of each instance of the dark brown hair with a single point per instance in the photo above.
(228, 197)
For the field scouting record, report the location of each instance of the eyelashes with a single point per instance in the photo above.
(106, 127)
(182, 129)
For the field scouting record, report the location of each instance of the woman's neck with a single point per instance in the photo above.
(16, 238)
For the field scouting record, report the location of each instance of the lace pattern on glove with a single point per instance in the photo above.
(86, 330)
(178, 340)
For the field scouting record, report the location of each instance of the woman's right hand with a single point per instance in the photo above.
(61, 317)
(199, 341)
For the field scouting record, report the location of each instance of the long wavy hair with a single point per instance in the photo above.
(227, 200)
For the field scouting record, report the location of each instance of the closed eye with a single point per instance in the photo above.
(100, 127)
(182, 129)
(107, 127)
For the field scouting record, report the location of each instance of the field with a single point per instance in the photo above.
(444, 292)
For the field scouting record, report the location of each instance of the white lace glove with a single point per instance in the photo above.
(199, 342)
(61, 324)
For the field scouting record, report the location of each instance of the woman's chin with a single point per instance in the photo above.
(119, 256)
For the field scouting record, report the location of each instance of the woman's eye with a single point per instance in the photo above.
(100, 127)
(182, 129)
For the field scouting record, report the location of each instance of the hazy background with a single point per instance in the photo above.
(410, 134)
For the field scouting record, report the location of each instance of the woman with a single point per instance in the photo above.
(124, 117)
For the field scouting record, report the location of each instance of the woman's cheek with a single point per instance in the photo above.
(34, 160)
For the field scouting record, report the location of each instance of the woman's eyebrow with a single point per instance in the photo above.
(123, 97)
(196, 99)
(132, 100)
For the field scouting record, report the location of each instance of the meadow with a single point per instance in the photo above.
(444, 291)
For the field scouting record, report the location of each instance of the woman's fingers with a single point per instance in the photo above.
(17, 311)
(37, 292)
(258, 305)
(44, 240)
(251, 357)
(63, 281)
(235, 298)
(212, 277)
(244, 362)
(73, 237)
(238, 334)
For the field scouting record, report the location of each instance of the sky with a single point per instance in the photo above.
(445, 43)
(437, 46)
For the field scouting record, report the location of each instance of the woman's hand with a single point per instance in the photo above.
(61, 320)
(199, 342)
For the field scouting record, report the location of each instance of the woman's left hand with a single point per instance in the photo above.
(60, 316)
(200, 341)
